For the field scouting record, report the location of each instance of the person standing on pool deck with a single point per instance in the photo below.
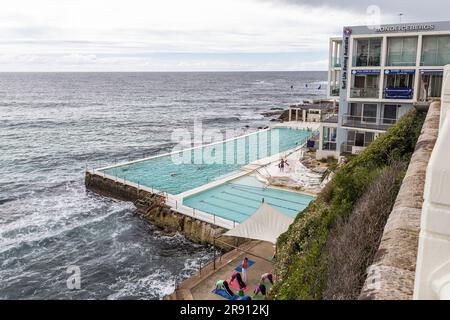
(244, 269)
(282, 165)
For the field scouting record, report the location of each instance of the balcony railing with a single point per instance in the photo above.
(367, 61)
(365, 122)
(334, 91)
(398, 93)
(349, 147)
(364, 92)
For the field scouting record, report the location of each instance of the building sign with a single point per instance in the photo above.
(346, 45)
(399, 71)
(365, 72)
(406, 28)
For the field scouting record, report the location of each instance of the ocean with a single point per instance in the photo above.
(55, 125)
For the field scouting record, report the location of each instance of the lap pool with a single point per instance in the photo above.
(164, 174)
(237, 200)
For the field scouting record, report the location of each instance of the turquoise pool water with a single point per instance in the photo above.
(203, 165)
(238, 200)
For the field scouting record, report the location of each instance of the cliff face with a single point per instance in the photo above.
(341, 230)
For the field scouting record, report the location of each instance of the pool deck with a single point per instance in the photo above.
(200, 285)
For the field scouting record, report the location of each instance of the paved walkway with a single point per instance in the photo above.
(200, 285)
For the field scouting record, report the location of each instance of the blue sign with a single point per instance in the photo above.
(363, 72)
(399, 71)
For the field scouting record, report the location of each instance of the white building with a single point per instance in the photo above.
(384, 72)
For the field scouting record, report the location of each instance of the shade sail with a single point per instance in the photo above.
(265, 224)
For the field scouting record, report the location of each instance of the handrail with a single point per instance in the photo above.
(432, 279)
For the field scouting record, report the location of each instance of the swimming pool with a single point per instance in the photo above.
(197, 168)
(237, 200)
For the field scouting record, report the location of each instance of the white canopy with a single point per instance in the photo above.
(265, 224)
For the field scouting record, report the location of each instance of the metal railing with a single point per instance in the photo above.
(351, 148)
(334, 91)
(364, 92)
(366, 122)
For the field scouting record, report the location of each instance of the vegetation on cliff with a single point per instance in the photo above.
(325, 252)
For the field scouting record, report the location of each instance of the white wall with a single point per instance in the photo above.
(433, 260)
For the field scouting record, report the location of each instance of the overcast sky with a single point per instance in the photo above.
(186, 35)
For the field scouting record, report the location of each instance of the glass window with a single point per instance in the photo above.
(336, 61)
(435, 86)
(355, 109)
(370, 113)
(368, 138)
(435, 51)
(329, 138)
(365, 86)
(367, 52)
(390, 113)
(399, 80)
(359, 139)
(402, 51)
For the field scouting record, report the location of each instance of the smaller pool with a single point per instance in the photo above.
(237, 200)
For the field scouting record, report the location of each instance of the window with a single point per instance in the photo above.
(365, 86)
(402, 51)
(435, 86)
(370, 113)
(400, 80)
(399, 84)
(367, 52)
(336, 50)
(435, 51)
(390, 113)
(430, 86)
(334, 83)
(359, 139)
(355, 110)
(329, 138)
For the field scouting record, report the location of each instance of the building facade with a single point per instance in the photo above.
(383, 73)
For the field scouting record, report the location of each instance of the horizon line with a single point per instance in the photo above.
(181, 71)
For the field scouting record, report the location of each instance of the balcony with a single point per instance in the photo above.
(334, 91)
(364, 93)
(398, 93)
(365, 122)
(352, 149)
